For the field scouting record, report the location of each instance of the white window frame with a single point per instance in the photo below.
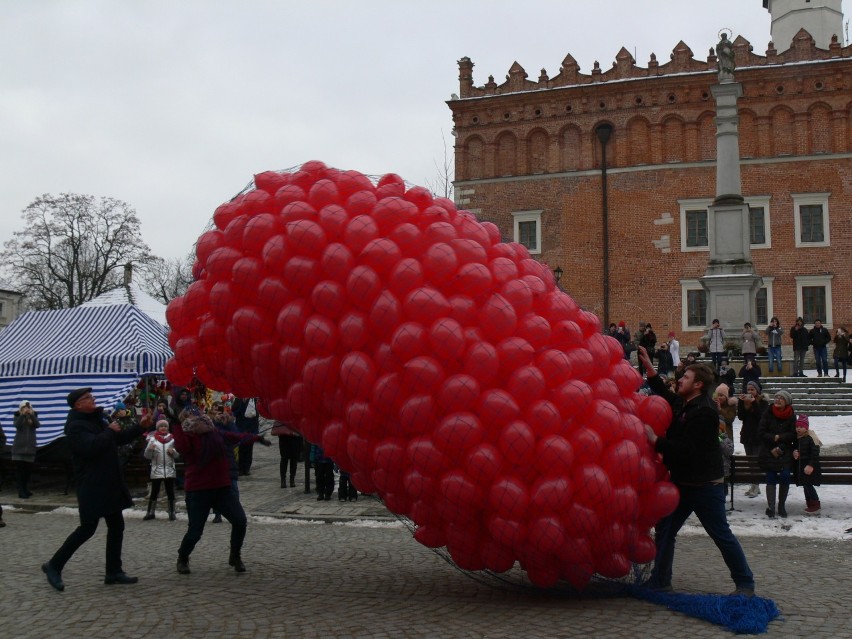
(770, 304)
(815, 280)
(693, 205)
(805, 199)
(763, 202)
(685, 287)
(528, 216)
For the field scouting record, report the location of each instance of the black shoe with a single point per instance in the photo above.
(217, 518)
(183, 566)
(770, 513)
(120, 578)
(328, 497)
(743, 591)
(54, 577)
(320, 497)
(292, 483)
(236, 561)
(782, 511)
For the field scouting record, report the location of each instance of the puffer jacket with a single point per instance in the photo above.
(808, 447)
(162, 455)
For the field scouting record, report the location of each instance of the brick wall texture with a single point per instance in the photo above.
(528, 145)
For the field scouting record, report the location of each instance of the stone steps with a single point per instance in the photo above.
(814, 396)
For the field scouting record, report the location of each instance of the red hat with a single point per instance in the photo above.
(622, 324)
(671, 333)
(802, 422)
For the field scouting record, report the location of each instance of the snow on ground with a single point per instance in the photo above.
(749, 518)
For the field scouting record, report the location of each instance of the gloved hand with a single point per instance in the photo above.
(265, 441)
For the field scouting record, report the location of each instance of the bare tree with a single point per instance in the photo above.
(169, 278)
(72, 249)
(442, 184)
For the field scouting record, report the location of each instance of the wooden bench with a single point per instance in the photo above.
(836, 469)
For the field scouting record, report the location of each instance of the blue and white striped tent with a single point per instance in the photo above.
(46, 354)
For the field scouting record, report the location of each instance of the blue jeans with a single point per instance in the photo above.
(775, 357)
(198, 505)
(708, 504)
(821, 357)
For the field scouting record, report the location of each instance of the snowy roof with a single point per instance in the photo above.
(134, 295)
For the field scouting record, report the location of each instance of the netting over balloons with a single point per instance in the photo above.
(439, 365)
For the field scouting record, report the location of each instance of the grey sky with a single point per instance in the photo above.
(173, 105)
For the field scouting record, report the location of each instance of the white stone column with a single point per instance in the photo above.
(728, 182)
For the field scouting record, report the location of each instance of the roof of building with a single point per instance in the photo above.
(132, 294)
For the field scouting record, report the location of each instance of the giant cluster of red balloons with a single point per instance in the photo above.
(439, 365)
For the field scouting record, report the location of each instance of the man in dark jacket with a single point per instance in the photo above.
(245, 413)
(691, 452)
(801, 341)
(819, 338)
(101, 491)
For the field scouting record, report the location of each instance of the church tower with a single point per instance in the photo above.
(821, 18)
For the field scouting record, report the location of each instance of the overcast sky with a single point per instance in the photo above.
(173, 106)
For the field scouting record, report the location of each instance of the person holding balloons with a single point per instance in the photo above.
(691, 452)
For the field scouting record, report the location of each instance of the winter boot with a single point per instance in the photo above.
(235, 561)
(172, 515)
(813, 507)
(217, 518)
(152, 503)
(770, 500)
(754, 490)
(783, 490)
(183, 565)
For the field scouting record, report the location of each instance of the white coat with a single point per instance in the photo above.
(162, 456)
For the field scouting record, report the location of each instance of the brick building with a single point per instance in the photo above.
(529, 157)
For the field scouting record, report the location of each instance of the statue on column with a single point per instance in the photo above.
(725, 57)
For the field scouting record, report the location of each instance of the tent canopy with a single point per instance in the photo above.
(46, 354)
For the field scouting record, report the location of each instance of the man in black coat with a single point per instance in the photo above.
(801, 342)
(247, 420)
(691, 451)
(101, 491)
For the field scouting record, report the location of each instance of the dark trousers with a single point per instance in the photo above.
(821, 359)
(170, 488)
(198, 505)
(23, 470)
(290, 449)
(84, 532)
(810, 492)
(837, 362)
(708, 504)
(245, 458)
(717, 360)
(325, 478)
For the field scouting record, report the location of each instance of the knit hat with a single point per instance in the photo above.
(803, 422)
(119, 406)
(22, 404)
(622, 324)
(671, 333)
(787, 397)
(756, 384)
(162, 422)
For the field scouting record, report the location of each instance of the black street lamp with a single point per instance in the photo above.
(604, 131)
(557, 274)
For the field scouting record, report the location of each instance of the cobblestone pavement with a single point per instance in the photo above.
(351, 579)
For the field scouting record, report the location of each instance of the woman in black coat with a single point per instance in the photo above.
(777, 432)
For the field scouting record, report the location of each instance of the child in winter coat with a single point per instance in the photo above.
(808, 472)
(324, 470)
(161, 451)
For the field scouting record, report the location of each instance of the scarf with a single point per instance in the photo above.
(782, 413)
(163, 439)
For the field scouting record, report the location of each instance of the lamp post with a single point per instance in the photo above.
(557, 275)
(604, 131)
